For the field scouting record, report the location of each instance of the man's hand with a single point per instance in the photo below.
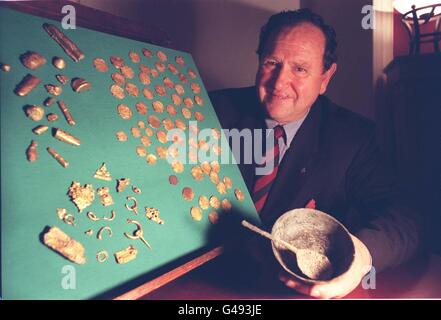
(341, 285)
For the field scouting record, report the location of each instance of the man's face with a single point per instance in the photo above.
(290, 75)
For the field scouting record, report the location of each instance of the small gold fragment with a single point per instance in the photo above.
(65, 110)
(102, 173)
(121, 136)
(105, 197)
(31, 152)
(49, 101)
(53, 89)
(80, 85)
(213, 217)
(187, 193)
(136, 190)
(204, 203)
(58, 63)
(112, 216)
(57, 157)
(226, 205)
(5, 67)
(122, 184)
(81, 196)
(126, 255)
(40, 129)
(153, 214)
(63, 136)
(102, 256)
(99, 234)
(62, 79)
(133, 208)
(32, 60)
(69, 248)
(239, 194)
(92, 216)
(51, 117)
(89, 232)
(34, 113)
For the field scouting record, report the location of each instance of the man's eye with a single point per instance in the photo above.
(300, 70)
(270, 63)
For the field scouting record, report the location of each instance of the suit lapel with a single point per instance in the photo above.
(298, 160)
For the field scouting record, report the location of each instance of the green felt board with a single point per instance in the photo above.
(31, 192)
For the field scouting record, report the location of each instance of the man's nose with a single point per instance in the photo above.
(281, 77)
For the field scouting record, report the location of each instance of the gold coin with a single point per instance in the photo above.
(117, 91)
(145, 141)
(220, 187)
(239, 194)
(161, 152)
(118, 78)
(183, 78)
(132, 89)
(196, 213)
(121, 136)
(215, 166)
(168, 124)
(127, 72)
(171, 110)
(160, 90)
(144, 78)
(151, 159)
(172, 152)
(226, 205)
(141, 108)
(199, 116)
(141, 124)
(198, 100)
(154, 73)
(154, 121)
(214, 202)
(217, 149)
(147, 93)
(228, 182)
(204, 203)
(172, 68)
(193, 156)
(215, 133)
(188, 102)
(180, 60)
(134, 57)
(149, 132)
(124, 111)
(191, 73)
(146, 52)
(213, 217)
(177, 166)
(158, 106)
(179, 89)
(214, 177)
(176, 99)
(118, 62)
(141, 151)
(100, 65)
(144, 68)
(136, 132)
(173, 180)
(161, 55)
(187, 193)
(162, 136)
(168, 83)
(196, 88)
(186, 113)
(180, 124)
(197, 173)
(206, 168)
(160, 66)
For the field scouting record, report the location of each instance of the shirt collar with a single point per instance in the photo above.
(290, 128)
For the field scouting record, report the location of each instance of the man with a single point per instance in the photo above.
(327, 157)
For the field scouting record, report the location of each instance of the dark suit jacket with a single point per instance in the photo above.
(335, 160)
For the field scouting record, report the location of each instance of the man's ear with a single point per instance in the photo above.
(326, 77)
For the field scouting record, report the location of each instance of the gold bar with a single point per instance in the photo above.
(65, 43)
(66, 113)
(57, 157)
(26, 85)
(66, 137)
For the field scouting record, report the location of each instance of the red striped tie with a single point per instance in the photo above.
(263, 183)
